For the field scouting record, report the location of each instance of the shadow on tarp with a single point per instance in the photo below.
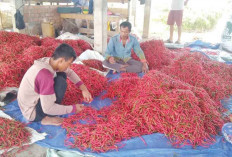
(157, 145)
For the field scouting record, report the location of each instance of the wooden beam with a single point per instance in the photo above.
(77, 16)
(132, 15)
(122, 11)
(100, 25)
(128, 10)
(147, 13)
(117, 1)
(91, 17)
(86, 30)
(69, 1)
(58, 1)
(88, 17)
(91, 31)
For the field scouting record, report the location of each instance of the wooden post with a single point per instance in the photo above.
(88, 26)
(1, 24)
(147, 12)
(129, 10)
(100, 25)
(15, 5)
(132, 11)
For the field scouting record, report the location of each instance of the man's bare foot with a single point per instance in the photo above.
(52, 121)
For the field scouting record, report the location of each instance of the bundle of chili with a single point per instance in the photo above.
(12, 133)
(155, 103)
(95, 83)
(94, 63)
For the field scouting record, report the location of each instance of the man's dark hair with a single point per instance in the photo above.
(64, 51)
(126, 24)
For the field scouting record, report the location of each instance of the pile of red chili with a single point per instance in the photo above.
(181, 100)
(12, 46)
(156, 54)
(94, 63)
(78, 45)
(199, 71)
(18, 52)
(12, 133)
(154, 103)
(95, 83)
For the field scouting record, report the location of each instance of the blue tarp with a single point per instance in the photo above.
(211, 51)
(157, 144)
(200, 44)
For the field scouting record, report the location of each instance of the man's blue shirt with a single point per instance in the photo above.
(116, 49)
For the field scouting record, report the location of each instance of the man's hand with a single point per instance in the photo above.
(145, 68)
(111, 60)
(79, 107)
(87, 96)
(85, 93)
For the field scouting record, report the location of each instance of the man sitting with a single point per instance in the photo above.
(118, 52)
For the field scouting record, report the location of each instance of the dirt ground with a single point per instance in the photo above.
(33, 150)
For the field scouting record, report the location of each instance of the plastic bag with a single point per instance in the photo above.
(90, 54)
(227, 36)
(227, 132)
(19, 20)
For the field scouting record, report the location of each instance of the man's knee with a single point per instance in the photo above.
(62, 75)
(139, 67)
(60, 87)
(134, 66)
(134, 69)
(60, 83)
(140, 64)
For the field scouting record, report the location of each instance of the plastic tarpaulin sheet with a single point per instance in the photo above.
(212, 51)
(35, 136)
(156, 144)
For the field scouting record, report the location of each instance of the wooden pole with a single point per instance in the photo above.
(147, 12)
(100, 25)
(132, 12)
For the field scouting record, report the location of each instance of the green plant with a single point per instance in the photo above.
(193, 21)
(200, 21)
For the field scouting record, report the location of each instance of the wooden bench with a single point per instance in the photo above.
(88, 18)
(122, 14)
